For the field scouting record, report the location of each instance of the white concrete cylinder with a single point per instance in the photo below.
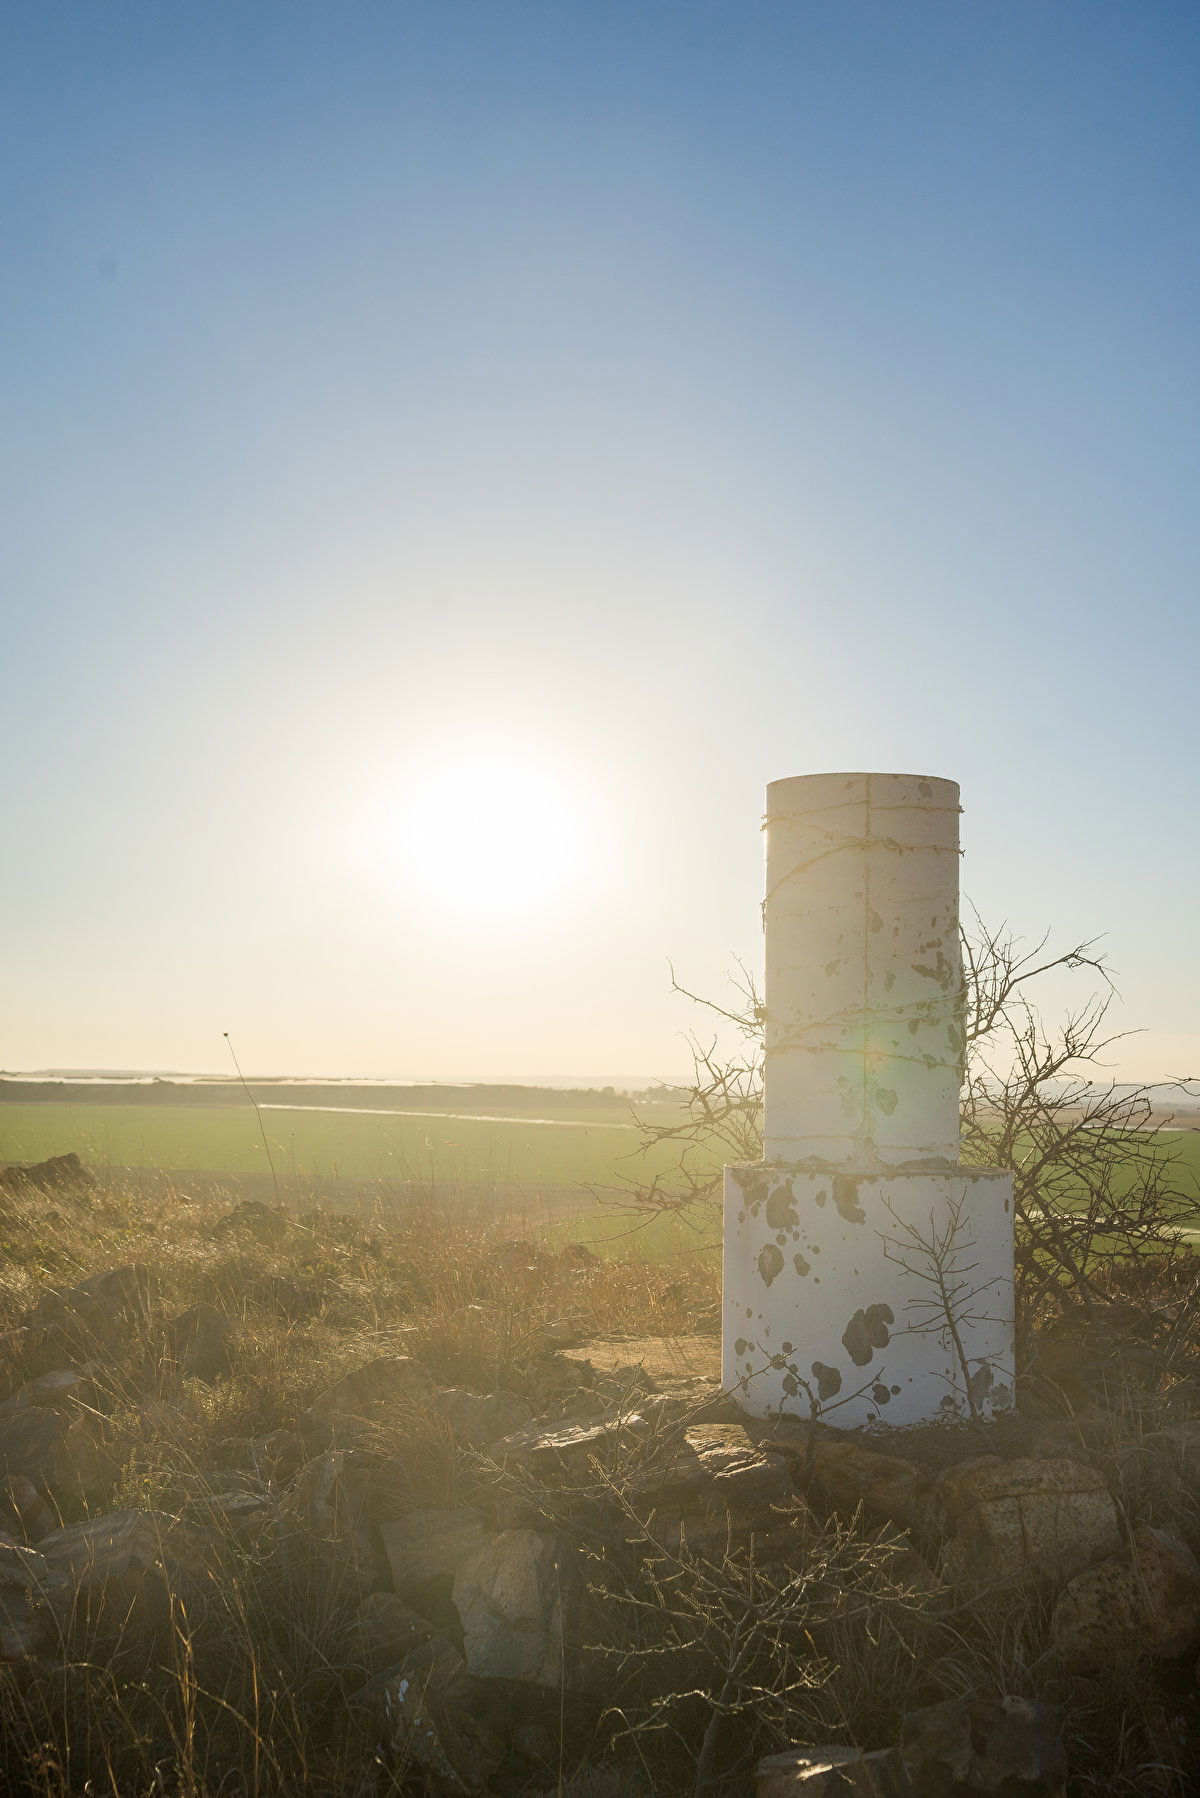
(863, 981)
(839, 1243)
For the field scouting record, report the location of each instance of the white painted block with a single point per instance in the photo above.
(824, 1313)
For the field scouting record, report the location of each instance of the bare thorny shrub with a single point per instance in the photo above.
(709, 1652)
(1098, 1180)
(713, 1658)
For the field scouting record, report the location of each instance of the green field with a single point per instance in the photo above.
(399, 1146)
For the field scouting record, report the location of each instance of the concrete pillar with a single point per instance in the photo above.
(868, 1276)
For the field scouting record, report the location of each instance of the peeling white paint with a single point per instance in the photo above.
(825, 1309)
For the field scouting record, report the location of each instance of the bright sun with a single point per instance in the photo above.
(492, 838)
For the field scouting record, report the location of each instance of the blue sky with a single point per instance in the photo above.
(645, 401)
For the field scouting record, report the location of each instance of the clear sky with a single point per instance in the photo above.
(456, 452)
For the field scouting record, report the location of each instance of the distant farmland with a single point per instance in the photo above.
(588, 1145)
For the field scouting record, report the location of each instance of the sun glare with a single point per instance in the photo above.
(492, 839)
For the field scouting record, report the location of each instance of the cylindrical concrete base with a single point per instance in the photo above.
(833, 1306)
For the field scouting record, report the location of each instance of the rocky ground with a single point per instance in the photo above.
(302, 1504)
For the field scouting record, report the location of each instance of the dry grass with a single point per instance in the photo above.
(696, 1660)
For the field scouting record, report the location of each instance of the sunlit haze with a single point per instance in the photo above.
(456, 454)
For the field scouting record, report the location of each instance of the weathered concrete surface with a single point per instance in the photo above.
(825, 1310)
(830, 1240)
(864, 1036)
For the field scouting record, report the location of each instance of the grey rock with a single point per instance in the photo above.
(1144, 1603)
(384, 1630)
(439, 1721)
(832, 1772)
(567, 1454)
(124, 1567)
(375, 1394)
(101, 1311)
(63, 1389)
(480, 1422)
(265, 1223)
(61, 1173)
(54, 1453)
(712, 1482)
(854, 1476)
(427, 1543)
(1012, 1746)
(1044, 1518)
(511, 1597)
(198, 1339)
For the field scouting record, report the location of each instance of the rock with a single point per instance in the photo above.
(1146, 1603)
(713, 1484)
(266, 1223)
(687, 1369)
(328, 1499)
(1049, 1518)
(427, 1544)
(1012, 1746)
(567, 1454)
(245, 1515)
(62, 1390)
(370, 1395)
(24, 1627)
(16, 1344)
(510, 1597)
(539, 1745)
(480, 1422)
(577, 1254)
(441, 1722)
(22, 1569)
(100, 1311)
(56, 1454)
(23, 1505)
(591, 1781)
(33, 1601)
(61, 1173)
(277, 1457)
(830, 1773)
(198, 1339)
(885, 1486)
(900, 1562)
(126, 1566)
(1178, 1448)
(384, 1630)
(284, 1297)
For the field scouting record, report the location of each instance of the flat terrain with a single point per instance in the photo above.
(449, 1149)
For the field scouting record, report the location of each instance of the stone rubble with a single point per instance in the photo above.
(1011, 1518)
(832, 1772)
(466, 1617)
(512, 1597)
(426, 1544)
(436, 1717)
(1146, 1602)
